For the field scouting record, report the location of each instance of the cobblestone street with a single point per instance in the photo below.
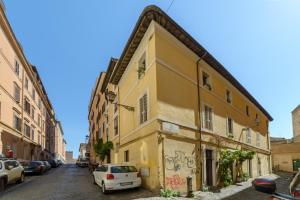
(66, 182)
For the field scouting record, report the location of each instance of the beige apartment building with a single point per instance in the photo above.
(171, 107)
(60, 143)
(26, 114)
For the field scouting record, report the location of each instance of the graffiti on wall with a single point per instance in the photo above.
(180, 161)
(175, 181)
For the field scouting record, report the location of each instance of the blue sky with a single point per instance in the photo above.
(71, 41)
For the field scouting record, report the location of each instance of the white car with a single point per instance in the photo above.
(116, 177)
(10, 171)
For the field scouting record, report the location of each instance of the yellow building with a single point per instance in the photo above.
(26, 114)
(286, 152)
(171, 106)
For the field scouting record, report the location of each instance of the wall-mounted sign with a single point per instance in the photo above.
(169, 127)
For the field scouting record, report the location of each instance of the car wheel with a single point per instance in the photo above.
(21, 180)
(2, 184)
(104, 189)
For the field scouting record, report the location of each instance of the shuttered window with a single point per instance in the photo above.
(207, 118)
(17, 93)
(143, 109)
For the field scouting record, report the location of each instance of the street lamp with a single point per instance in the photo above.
(110, 96)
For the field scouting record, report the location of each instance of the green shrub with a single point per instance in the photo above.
(169, 193)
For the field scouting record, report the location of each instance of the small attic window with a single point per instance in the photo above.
(142, 65)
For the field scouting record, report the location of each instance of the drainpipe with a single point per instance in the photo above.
(199, 114)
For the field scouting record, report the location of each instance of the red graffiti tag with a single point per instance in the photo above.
(175, 181)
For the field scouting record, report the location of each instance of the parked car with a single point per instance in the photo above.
(116, 177)
(60, 163)
(294, 189)
(47, 165)
(264, 185)
(82, 163)
(53, 163)
(11, 171)
(34, 167)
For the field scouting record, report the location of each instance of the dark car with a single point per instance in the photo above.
(267, 186)
(264, 185)
(60, 162)
(53, 163)
(47, 165)
(34, 167)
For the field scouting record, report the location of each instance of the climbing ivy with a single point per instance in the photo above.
(227, 158)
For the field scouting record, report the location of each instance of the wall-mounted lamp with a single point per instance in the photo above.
(110, 96)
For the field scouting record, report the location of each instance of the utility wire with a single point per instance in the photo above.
(170, 5)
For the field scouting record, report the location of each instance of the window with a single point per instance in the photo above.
(39, 137)
(40, 103)
(142, 65)
(17, 68)
(43, 125)
(27, 106)
(248, 136)
(229, 126)
(115, 107)
(17, 122)
(27, 130)
(258, 139)
(143, 108)
(208, 118)
(247, 110)
(116, 126)
(228, 96)
(206, 80)
(100, 133)
(32, 133)
(126, 156)
(39, 120)
(33, 94)
(103, 108)
(26, 83)
(17, 92)
(32, 112)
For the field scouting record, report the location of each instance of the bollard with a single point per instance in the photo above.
(189, 182)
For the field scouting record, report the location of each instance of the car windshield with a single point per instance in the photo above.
(123, 169)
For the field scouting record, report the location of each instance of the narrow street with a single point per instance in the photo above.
(282, 184)
(66, 182)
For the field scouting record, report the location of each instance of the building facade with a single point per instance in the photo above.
(82, 151)
(286, 152)
(97, 117)
(69, 157)
(26, 114)
(60, 143)
(174, 107)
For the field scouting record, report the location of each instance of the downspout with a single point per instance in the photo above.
(199, 115)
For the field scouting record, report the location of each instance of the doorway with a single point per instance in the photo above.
(259, 166)
(209, 167)
(250, 168)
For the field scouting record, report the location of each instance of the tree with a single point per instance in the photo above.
(103, 149)
(241, 156)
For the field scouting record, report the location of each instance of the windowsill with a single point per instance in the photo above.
(207, 130)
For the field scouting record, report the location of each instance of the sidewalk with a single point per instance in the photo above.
(225, 192)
